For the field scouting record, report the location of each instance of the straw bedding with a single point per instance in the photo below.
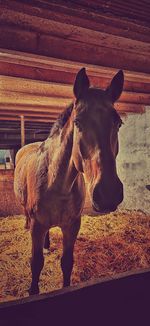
(105, 245)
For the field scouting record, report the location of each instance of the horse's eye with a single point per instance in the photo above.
(116, 119)
(120, 123)
(78, 124)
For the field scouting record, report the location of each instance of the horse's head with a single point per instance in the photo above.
(95, 145)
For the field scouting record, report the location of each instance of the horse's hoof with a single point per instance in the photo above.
(32, 291)
(46, 251)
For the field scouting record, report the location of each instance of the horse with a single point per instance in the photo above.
(50, 176)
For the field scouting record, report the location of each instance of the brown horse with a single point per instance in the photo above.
(49, 176)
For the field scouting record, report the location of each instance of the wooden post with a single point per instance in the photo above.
(22, 131)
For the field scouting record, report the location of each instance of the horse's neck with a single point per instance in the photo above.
(62, 172)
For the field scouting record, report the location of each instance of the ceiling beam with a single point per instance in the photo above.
(47, 100)
(69, 66)
(21, 87)
(53, 113)
(65, 48)
(37, 16)
(9, 117)
(35, 87)
(71, 32)
(32, 100)
(53, 70)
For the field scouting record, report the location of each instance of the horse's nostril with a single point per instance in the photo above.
(102, 209)
(112, 208)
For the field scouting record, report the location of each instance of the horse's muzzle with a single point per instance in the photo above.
(106, 199)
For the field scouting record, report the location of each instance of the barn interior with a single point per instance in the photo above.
(43, 44)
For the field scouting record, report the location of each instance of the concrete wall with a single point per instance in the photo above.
(133, 162)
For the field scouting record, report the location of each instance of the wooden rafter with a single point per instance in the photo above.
(103, 16)
(69, 66)
(21, 87)
(45, 43)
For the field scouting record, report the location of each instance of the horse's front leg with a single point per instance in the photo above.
(38, 233)
(70, 233)
(28, 220)
(46, 248)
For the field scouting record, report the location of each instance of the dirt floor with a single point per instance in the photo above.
(106, 245)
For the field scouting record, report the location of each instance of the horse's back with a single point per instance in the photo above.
(24, 156)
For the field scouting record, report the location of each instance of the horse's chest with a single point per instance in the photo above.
(58, 209)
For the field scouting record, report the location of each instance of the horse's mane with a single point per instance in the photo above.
(61, 121)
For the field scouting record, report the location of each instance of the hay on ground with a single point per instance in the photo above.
(106, 245)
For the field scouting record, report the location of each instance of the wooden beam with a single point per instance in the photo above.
(35, 87)
(17, 112)
(22, 131)
(42, 112)
(11, 143)
(54, 46)
(49, 63)
(129, 108)
(37, 16)
(136, 98)
(120, 300)
(32, 100)
(15, 124)
(104, 56)
(73, 32)
(138, 84)
(20, 86)
(46, 100)
(12, 130)
(30, 110)
(29, 116)
(8, 137)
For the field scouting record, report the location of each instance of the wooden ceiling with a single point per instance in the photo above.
(44, 43)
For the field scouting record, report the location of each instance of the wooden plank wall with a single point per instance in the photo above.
(122, 300)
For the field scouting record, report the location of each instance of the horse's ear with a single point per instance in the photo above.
(116, 86)
(81, 83)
